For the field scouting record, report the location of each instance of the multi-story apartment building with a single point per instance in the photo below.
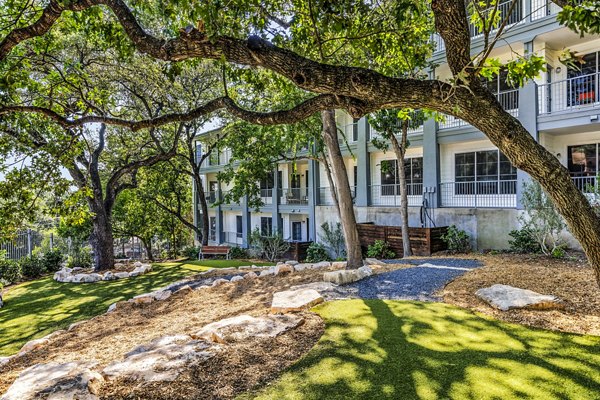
(455, 174)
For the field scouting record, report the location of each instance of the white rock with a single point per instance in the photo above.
(78, 278)
(373, 261)
(33, 344)
(184, 289)
(202, 287)
(219, 282)
(339, 264)
(243, 327)
(322, 264)
(283, 269)
(364, 271)
(266, 272)
(237, 278)
(5, 360)
(112, 307)
(119, 265)
(318, 286)
(295, 300)
(161, 295)
(121, 275)
(74, 380)
(108, 276)
(134, 273)
(506, 297)
(251, 275)
(162, 360)
(75, 325)
(137, 264)
(292, 262)
(341, 277)
(95, 277)
(279, 263)
(302, 267)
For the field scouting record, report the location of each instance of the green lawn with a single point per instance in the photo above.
(412, 350)
(37, 308)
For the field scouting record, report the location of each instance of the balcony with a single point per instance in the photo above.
(350, 133)
(573, 94)
(506, 11)
(266, 195)
(587, 184)
(481, 194)
(326, 198)
(509, 99)
(389, 195)
(294, 196)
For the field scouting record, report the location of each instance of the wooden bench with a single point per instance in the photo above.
(215, 251)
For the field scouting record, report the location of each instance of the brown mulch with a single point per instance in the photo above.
(239, 367)
(572, 280)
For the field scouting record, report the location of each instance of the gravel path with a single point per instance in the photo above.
(417, 283)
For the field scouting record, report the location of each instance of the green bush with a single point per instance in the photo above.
(558, 252)
(457, 240)
(52, 260)
(316, 252)
(272, 247)
(191, 252)
(31, 267)
(380, 249)
(523, 241)
(10, 271)
(81, 258)
(238, 253)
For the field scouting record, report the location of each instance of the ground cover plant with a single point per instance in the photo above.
(37, 308)
(374, 349)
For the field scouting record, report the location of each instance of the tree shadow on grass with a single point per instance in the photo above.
(375, 349)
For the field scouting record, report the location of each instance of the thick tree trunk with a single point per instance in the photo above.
(148, 246)
(102, 240)
(400, 151)
(204, 207)
(342, 186)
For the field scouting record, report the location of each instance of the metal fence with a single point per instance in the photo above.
(569, 94)
(481, 194)
(23, 244)
(389, 195)
(506, 11)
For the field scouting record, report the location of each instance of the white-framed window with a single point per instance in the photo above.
(484, 172)
(413, 171)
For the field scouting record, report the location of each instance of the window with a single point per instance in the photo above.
(484, 172)
(582, 85)
(213, 188)
(296, 231)
(582, 162)
(266, 226)
(506, 93)
(198, 152)
(266, 186)
(413, 171)
(238, 226)
(213, 228)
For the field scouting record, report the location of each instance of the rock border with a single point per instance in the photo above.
(70, 275)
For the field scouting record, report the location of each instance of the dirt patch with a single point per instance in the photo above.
(240, 366)
(571, 280)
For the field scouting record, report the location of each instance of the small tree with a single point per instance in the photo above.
(542, 219)
(270, 247)
(333, 239)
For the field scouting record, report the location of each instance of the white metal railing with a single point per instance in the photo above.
(350, 132)
(294, 196)
(266, 195)
(587, 184)
(389, 195)
(504, 11)
(325, 198)
(509, 99)
(440, 45)
(480, 194)
(234, 238)
(569, 94)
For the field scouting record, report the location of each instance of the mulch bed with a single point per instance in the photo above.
(572, 280)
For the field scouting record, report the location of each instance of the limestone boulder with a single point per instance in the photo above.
(295, 300)
(302, 267)
(115, 306)
(364, 272)
(283, 269)
(91, 278)
(137, 264)
(219, 282)
(73, 380)
(162, 360)
(251, 275)
(339, 264)
(243, 327)
(121, 275)
(266, 272)
(5, 360)
(505, 297)
(322, 264)
(318, 286)
(291, 262)
(75, 325)
(237, 278)
(341, 277)
(373, 261)
(184, 289)
(63, 275)
(108, 276)
(33, 344)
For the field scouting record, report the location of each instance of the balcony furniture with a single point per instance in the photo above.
(214, 250)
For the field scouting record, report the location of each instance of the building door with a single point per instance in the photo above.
(238, 226)
(297, 231)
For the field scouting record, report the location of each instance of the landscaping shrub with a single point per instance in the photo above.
(523, 241)
(457, 240)
(270, 247)
(316, 252)
(81, 258)
(191, 252)
(333, 239)
(238, 253)
(380, 249)
(10, 271)
(31, 267)
(52, 260)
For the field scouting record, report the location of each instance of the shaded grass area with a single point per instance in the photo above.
(375, 349)
(37, 308)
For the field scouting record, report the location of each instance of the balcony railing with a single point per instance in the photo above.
(481, 194)
(509, 99)
(266, 195)
(587, 184)
(389, 195)
(326, 198)
(350, 132)
(570, 94)
(232, 238)
(505, 12)
(294, 196)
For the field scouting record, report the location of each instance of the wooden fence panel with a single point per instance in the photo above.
(423, 241)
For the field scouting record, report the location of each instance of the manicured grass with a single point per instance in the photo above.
(412, 350)
(37, 308)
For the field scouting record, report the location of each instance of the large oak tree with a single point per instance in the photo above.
(210, 31)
